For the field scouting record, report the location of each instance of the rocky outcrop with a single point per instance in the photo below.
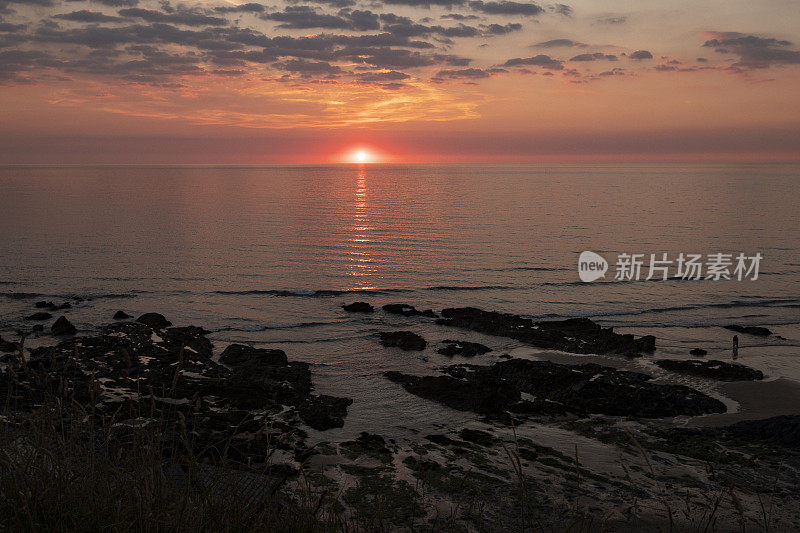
(405, 340)
(408, 310)
(783, 430)
(699, 352)
(358, 307)
(39, 316)
(154, 320)
(7, 346)
(121, 315)
(463, 348)
(62, 327)
(323, 412)
(137, 373)
(555, 388)
(575, 335)
(750, 330)
(713, 369)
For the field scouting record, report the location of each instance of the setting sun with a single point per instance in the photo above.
(361, 156)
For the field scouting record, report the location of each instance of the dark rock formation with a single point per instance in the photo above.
(580, 389)
(477, 436)
(575, 335)
(783, 430)
(405, 340)
(37, 327)
(154, 320)
(358, 307)
(7, 346)
(121, 315)
(53, 307)
(408, 310)
(712, 369)
(698, 352)
(39, 316)
(750, 330)
(463, 348)
(323, 412)
(62, 326)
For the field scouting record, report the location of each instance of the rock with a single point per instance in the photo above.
(8, 346)
(51, 306)
(39, 316)
(575, 335)
(405, 340)
(463, 348)
(698, 352)
(750, 330)
(154, 320)
(477, 436)
(712, 369)
(783, 430)
(241, 355)
(555, 388)
(358, 307)
(408, 310)
(62, 326)
(442, 440)
(322, 412)
(37, 327)
(121, 315)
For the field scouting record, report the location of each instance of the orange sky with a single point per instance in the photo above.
(141, 81)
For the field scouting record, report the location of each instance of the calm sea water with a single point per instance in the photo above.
(267, 255)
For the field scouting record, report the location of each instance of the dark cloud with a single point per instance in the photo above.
(506, 8)
(7, 27)
(112, 3)
(86, 16)
(540, 60)
(563, 9)
(40, 3)
(594, 57)
(470, 73)
(555, 43)
(242, 8)
(641, 54)
(303, 66)
(304, 17)
(182, 16)
(459, 16)
(425, 3)
(754, 52)
(382, 77)
(613, 20)
(702, 60)
(498, 29)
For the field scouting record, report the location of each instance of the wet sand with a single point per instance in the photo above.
(757, 400)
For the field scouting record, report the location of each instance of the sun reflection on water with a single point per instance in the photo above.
(361, 265)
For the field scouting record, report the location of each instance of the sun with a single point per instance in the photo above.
(361, 156)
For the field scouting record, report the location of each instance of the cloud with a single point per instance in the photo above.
(594, 57)
(304, 17)
(563, 9)
(540, 60)
(754, 52)
(640, 55)
(497, 29)
(86, 16)
(459, 16)
(303, 66)
(555, 43)
(471, 73)
(613, 20)
(382, 77)
(241, 8)
(183, 16)
(506, 8)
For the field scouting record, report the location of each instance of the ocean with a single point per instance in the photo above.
(268, 255)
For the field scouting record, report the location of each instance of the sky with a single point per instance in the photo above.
(408, 81)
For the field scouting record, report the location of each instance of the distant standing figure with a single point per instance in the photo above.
(735, 346)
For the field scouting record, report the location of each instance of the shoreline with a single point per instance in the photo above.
(607, 445)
